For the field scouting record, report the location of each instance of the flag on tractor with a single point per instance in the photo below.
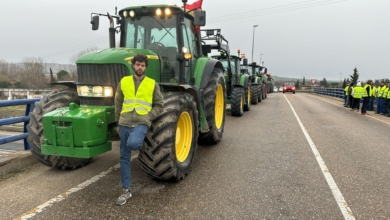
(194, 6)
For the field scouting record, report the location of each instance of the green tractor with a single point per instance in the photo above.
(238, 85)
(71, 125)
(257, 83)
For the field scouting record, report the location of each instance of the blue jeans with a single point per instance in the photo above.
(379, 105)
(370, 106)
(345, 99)
(131, 139)
(365, 104)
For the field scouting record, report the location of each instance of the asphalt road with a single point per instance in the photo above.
(312, 160)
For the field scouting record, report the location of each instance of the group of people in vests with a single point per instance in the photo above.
(355, 93)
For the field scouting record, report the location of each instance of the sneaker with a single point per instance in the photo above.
(124, 197)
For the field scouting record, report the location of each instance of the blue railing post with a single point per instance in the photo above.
(30, 105)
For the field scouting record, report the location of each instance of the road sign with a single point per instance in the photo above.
(313, 81)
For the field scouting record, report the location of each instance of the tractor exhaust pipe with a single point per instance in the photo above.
(111, 30)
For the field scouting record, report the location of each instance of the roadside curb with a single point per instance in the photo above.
(16, 161)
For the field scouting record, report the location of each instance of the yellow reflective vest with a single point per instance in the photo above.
(346, 90)
(358, 92)
(385, 93)
(140, 102)
(372, 91)
(365, 90)
(380, 91)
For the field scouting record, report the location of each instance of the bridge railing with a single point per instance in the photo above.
(333, 92)
(30, 105)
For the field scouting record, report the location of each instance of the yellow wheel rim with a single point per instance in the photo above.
(242, 102)
(183, 137)
(219, 107)
(249, 95)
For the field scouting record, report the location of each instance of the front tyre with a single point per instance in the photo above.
(237, 102)
(170, 144)
(55, 99)
(248, 90)
(254, 94)
(215, 106)
(260, 94)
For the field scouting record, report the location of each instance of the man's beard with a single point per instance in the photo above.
(139, 73)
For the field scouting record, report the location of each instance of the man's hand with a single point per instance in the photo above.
(117, 129)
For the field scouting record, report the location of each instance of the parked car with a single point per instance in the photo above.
(275, 89)
(289, 87)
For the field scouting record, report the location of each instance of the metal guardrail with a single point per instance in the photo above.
(334, 92)
(30, 105)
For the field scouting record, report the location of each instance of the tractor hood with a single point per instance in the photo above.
(114, 55)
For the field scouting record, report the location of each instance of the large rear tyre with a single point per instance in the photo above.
(254, 94)
(170, 144)
(215, 106)
(55, 99)
(260, 94)
(237, 101)
(247, 91)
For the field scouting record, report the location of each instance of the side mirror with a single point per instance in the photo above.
(95, 22)
(199, 18)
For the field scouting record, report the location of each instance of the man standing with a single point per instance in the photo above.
(138, 101)
(379, 99)
(385, 100)
(372, 97)
(357, 95)
(366, 96)
(346, 95)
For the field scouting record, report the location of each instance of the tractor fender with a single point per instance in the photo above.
(245, 80)
(192, 90)
(208, 69)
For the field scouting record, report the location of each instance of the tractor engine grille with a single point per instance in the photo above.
(100, 74)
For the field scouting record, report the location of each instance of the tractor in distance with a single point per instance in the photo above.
(250, 69)
(71, 125)
(238, 85)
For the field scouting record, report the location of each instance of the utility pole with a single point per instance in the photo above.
(253, 42)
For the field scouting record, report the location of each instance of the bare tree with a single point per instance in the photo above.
(73, 59)
(33, 73)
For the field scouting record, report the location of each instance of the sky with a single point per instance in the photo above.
(314, 39)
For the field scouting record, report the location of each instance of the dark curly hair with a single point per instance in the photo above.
(140, 58)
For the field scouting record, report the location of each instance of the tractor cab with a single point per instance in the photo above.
(166, 34)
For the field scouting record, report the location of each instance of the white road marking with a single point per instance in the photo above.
(344, 208)
(62, 196)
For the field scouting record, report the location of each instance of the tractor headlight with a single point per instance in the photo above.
(158, 12)
(184, 50)
(168, 12)
(125, 14)
(95, 91)
(132, 13)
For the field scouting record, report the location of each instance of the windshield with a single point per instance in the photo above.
(249, 68)
(225, 65)
(149, 30)
(289, 84)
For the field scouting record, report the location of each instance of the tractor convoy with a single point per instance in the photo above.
(76, 121)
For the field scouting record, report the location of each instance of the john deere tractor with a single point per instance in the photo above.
(238, 85)
(73, 124)
(257, 85)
